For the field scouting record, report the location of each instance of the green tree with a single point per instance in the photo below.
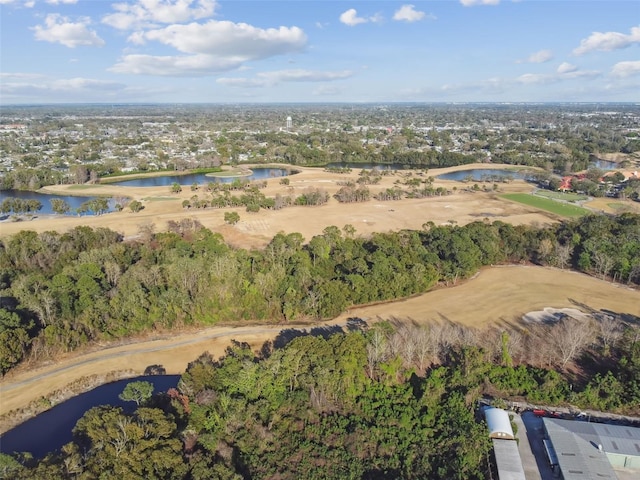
(138, 392)
(231, 217)
(60, 206)
(136, 206)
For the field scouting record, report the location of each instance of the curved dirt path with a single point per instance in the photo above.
(23, 386)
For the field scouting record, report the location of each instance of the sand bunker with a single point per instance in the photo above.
(554, 315)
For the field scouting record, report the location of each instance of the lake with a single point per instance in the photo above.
(45, 199)
(484, 174)
(201, 178)
(52, 429)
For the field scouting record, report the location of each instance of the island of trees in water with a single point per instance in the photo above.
(392, 401)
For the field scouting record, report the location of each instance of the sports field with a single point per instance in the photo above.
(548, 205)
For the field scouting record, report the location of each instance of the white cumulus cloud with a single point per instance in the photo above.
(608, 41)
(176, 66)
(565, 71)
(408, 13)
(59, 29)
(58, 2)
(228, 39)
(23, 3)
(40, 88)
(209, 48)
(469, 3)
(149, 13)
(351, 18)
(626, 69)
(566, 67)
(62, 87)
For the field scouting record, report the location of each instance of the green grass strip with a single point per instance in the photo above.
(562, 209)
(159, 199)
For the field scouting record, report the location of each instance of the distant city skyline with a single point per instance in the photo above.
(206, 51)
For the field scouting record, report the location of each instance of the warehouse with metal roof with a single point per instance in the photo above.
(508, 461)
(591, 450)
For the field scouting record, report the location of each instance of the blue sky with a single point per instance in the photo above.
(241, 51)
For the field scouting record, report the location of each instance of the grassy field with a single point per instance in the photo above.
(567, 197)
(547, 204)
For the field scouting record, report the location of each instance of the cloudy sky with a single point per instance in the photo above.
(58, 51)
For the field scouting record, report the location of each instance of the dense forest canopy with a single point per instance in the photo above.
(61, 291)
(390, 402)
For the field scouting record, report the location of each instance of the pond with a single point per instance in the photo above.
(202, 178)
(604, 165)
(484, 175)
(52, 429)
(44, 198)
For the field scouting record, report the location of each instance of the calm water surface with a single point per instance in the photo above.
(480, 174)
(44, 198)
(201, 178)
(52, 429)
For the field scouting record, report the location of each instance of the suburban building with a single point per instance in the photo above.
(585, 450)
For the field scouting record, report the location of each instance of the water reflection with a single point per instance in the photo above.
(202, 178)
(484, 174)
(52, 429)
(45, 199)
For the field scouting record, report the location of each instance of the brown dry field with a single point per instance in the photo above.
(256, 229)
(497, 296)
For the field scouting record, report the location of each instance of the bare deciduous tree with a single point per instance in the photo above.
(376, 350)
(602, 262)
(610, 331)
(563, 254)
(570, 337)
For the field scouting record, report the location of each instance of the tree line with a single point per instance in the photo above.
(63, 290)
(20, 206)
